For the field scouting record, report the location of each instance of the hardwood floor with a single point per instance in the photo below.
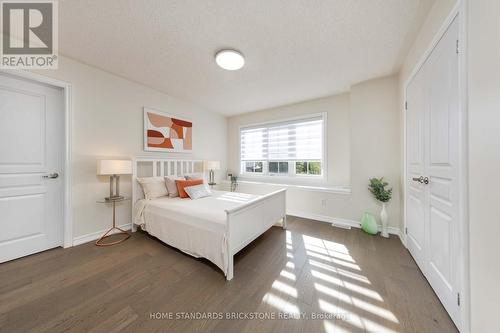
(371, 284)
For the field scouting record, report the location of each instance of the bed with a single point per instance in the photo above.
(215, 227)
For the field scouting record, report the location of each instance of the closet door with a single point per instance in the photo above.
(432, 170)
(442, 149)
(415, 168)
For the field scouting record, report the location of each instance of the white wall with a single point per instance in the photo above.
(363, 142)
(375, 144)
(430, 27)
(108, 122)
(484, 163)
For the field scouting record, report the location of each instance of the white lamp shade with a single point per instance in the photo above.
(212, 165)
(114, 167)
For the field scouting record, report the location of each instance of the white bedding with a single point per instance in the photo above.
(197, 227)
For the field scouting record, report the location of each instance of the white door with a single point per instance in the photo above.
(433, 143)
(442, 168)
(31, 154)
(415, 195)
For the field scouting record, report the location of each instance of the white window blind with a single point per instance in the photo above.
(284, 141)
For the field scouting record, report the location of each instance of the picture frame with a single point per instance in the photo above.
(165, 132)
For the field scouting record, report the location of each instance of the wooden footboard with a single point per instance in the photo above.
(247, 222)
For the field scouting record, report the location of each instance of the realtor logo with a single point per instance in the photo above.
(29, 38)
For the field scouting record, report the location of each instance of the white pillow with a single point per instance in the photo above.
(153, 187)
(190, 176)
(172, 186)
(198, 191)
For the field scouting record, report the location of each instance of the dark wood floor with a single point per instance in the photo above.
(360, 282)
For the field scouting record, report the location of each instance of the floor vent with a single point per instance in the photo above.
(341, 225)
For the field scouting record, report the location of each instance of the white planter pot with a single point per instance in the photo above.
(384, 218)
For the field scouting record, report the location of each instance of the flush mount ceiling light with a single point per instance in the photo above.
(229, 59)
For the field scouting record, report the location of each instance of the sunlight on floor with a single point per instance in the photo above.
(288, 275)
(313, 241)
(340, 287)
(368, 307)
(351, 286)
(353, 319)
(285, 288)
(281, 304)
(333, 260)
(339, 271)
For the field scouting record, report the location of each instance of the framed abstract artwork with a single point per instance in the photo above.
(167, 133)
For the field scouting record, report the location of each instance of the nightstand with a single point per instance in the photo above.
(124, 234)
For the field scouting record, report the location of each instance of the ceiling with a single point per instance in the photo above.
(295, 50)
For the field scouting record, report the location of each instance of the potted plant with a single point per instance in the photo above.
(378, 187)
(234, 183)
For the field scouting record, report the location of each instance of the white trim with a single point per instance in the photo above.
(96, 235)
(460, 9)
(291, 179)
(68, 130)
(339, 221)
(346, 190)
(464, 169)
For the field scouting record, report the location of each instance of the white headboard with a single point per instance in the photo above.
(160, 167)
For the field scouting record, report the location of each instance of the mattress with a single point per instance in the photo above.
(196, 227)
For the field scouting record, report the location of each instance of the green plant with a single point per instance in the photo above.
(234, 183)
(378, 188)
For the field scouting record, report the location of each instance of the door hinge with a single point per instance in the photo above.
(458, 299)
(457, 46)
(406, 230)
(406, 105)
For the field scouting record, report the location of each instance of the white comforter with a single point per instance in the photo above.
(197, 227)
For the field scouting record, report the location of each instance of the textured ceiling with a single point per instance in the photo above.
(295, 50)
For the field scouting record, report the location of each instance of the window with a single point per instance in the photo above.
(291, 148)
(308, 168)
(253, 167)
(278, 167)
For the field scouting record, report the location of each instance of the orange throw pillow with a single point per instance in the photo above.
(181, 184)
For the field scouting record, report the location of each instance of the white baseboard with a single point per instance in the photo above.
(402, 237)
(341, 222)
(95, 235)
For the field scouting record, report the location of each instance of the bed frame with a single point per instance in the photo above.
(244, 223)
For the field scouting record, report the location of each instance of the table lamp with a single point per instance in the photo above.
(114, 168)
(211, 165)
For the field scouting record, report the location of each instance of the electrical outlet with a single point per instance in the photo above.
(323, 202)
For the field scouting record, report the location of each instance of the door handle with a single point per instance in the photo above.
(418, 179)
(421, 180)
(51, 175)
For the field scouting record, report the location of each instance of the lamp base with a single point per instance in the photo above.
(124, 236)
(114, 188)
(211, 180)
(114, 198)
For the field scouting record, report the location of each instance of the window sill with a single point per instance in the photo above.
(327, 189)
